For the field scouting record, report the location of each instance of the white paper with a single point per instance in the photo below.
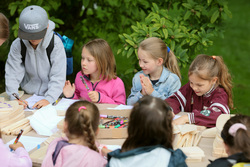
(64, 104)
(121, 107)
(29, 142)
(176, 116)
(32, 100)
(44, 121)
(113, 147)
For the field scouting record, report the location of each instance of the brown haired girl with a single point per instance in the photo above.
(79, 149)
(150, 136)
(4, 28)
(97, 81)
(236, 136)
(160, 75)
(207, 94)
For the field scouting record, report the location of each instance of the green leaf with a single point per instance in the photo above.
(85, 3)
(130, 42)
(225, 9)
(155, 8)
(119, 51)
(165, 32)
(187, 5)
(135, 28)
(129, 71)
(215, 16)
(187, 15)
(130, 51)
(13, 9)
(198, 14)
(127, 36)
(121, 37)
(154, 29)
(193, 41)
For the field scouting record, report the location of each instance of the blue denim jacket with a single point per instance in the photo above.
(167, 85)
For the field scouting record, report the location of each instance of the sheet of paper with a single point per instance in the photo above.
(113, 147)
(44, 121)
(29, 142)
(64, 104)
(32, 100)
(176, 116)
(121, 107)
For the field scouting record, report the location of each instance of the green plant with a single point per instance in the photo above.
(187, 27)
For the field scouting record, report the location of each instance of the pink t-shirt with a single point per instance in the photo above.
(73, 155)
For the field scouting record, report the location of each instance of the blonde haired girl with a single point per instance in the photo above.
(160, 75)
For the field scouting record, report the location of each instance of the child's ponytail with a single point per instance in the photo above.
(242, 141)
(225, 79)
(172, 63)
(236, 135)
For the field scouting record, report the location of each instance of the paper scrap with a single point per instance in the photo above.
(64, 104)
(29, 142)
(121, 107)
(113, 147)
(32, 100)
(44, 121)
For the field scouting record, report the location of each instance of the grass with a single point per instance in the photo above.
(235, 50)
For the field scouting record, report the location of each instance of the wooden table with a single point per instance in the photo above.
(205, 143)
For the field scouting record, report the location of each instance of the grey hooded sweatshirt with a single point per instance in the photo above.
(37, 76)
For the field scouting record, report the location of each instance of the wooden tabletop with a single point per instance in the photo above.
(205, 144)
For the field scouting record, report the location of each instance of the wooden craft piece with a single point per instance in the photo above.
(210, 132)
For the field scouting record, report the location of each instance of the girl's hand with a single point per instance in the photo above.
(23, 102)
(143, 91)
(181, 120)
(41, 103)
(147, 85)
(16, 146)
(68, 89)
(94, 96)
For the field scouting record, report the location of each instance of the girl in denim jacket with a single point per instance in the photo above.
(160, 74)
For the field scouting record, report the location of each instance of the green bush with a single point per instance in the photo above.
(187, 27)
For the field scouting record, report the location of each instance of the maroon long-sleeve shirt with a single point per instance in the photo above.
(202, 110)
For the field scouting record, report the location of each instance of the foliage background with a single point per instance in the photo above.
(113, 19)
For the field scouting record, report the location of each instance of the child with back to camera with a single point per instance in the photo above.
(160, 75)
(150, 137)
(236, 137)
(79, 148)
(207, 94)
(97, 80)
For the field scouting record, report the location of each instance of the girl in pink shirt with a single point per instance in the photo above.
(97, 81)
(20, 157)
(79, 148)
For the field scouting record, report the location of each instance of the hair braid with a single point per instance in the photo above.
(88, 133)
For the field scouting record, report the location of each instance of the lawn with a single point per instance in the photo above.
(235, 50)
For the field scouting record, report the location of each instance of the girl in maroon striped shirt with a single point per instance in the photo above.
(207, 94)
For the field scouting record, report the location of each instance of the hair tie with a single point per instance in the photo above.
(82, 107)
(214, 57)
(235, 127)
(168, 49)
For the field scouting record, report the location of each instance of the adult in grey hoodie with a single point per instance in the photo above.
(36, 75)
